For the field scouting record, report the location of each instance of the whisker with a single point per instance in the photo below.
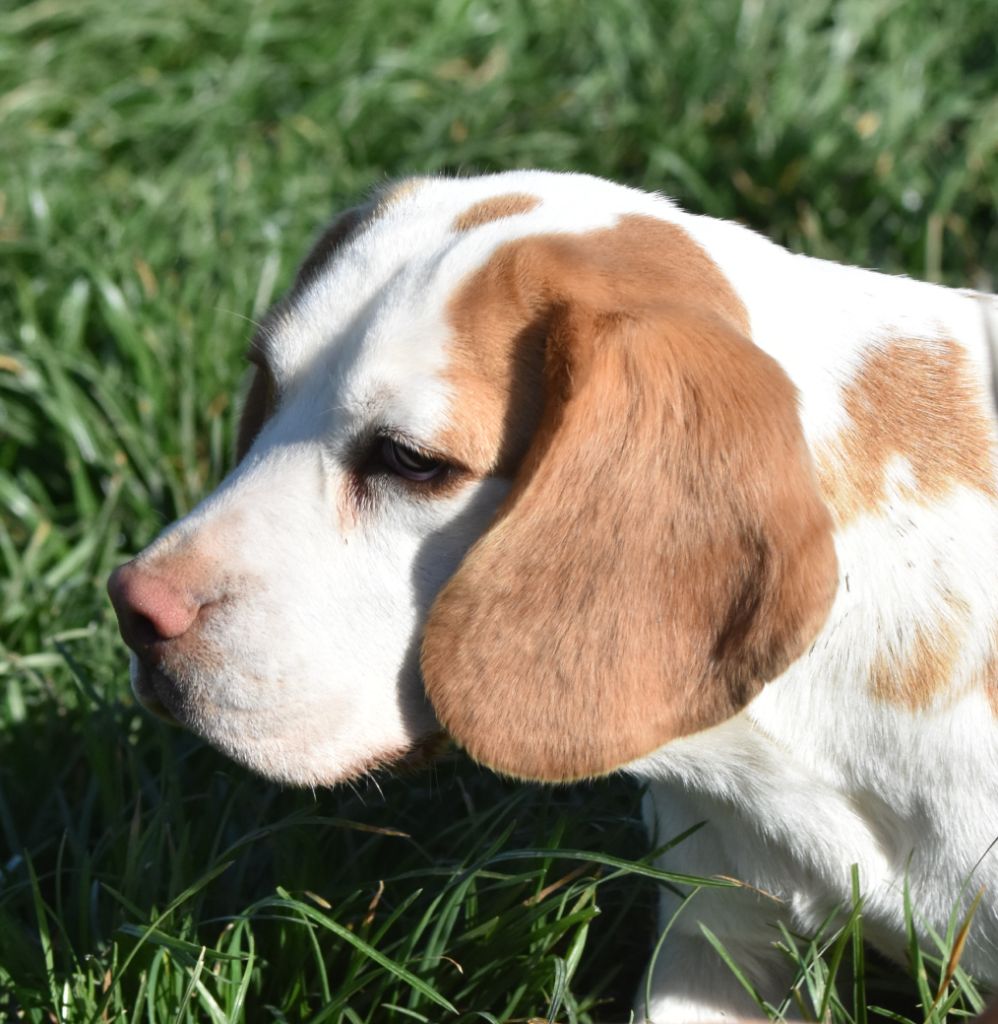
(242, 316)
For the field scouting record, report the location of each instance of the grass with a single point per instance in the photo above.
(161, 168)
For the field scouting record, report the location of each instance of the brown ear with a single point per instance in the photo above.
(662, 554)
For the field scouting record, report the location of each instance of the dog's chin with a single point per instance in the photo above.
(289, 770)
(158, 694)
(149, 686)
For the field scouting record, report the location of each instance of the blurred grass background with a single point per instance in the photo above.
(162, 166)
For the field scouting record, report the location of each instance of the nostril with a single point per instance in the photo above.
(142, 631)
(150, 608)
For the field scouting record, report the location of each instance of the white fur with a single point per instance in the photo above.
(307, 671)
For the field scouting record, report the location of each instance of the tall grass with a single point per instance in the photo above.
(161, 168)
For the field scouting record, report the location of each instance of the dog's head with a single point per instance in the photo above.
(509, 464)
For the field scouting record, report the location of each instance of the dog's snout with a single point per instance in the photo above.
(151, 608)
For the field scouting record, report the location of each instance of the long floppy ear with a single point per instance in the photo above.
(662, 554)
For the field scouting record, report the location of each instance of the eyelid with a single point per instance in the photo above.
(372, 476)
(454, 466)
(407, 441)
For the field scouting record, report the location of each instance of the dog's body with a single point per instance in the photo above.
(604, 469)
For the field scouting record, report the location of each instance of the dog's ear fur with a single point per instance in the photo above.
(662, 554)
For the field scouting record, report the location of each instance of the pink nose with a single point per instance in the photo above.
(150, 608)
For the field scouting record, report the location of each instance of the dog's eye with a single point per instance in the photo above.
(409, 463)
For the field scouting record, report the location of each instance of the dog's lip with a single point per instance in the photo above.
(144, 686)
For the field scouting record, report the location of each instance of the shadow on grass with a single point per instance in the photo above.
(117, 816)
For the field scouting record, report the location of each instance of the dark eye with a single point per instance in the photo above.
(409, 463)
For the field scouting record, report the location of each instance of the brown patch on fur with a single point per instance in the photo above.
(495, 208)
(663, 551)
(499, 318)
(990, 678)
(914, 679)
(915, 400)
(988, 674)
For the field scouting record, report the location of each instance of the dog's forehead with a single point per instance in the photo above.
(373, 315)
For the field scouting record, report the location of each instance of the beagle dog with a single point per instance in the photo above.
(596, 485)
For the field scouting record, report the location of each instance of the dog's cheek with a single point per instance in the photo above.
(307, 669)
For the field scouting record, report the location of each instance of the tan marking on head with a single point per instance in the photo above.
(495, 208)
(663, 551)
(915, 400)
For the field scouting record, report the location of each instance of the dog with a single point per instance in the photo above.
(595, 485)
